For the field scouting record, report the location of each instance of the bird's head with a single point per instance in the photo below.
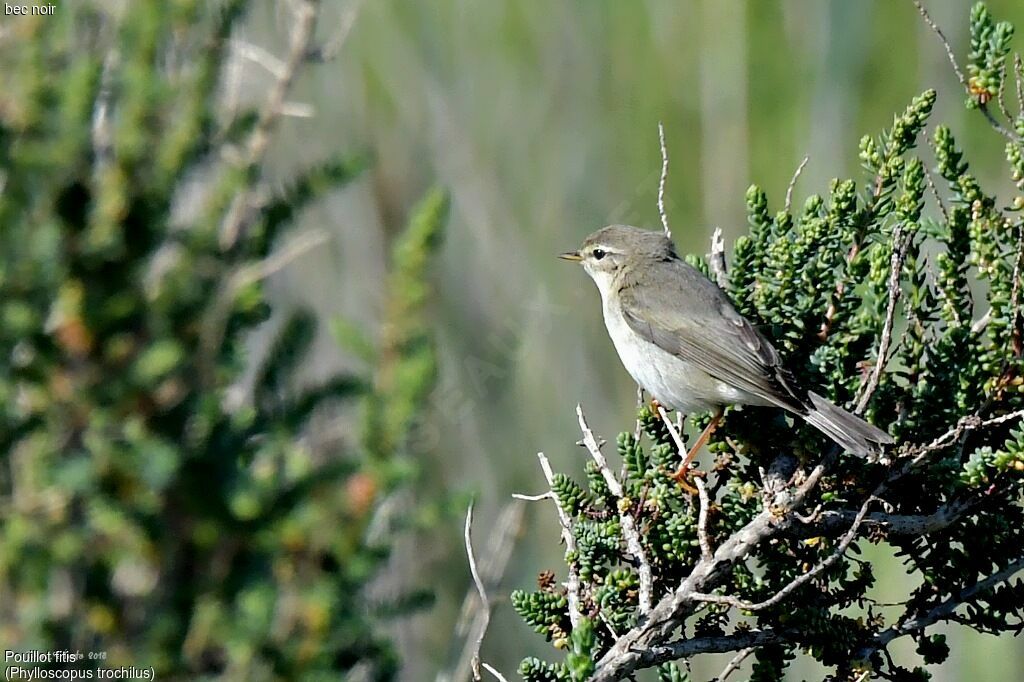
(605, 252)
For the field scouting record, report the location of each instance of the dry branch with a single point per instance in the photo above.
(572, 585)
(256, 147)
(629, 528)
(661, 182)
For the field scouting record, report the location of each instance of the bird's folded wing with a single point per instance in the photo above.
(692, 319)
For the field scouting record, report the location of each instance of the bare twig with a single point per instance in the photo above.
(333, 45)
(628, 523)
(278, 260)
(1018, 72)
(216, 317)
(702, 519)
(965, 424)
(1001, 99)
(485, 605)
(982, 322)
(261, 56)
(648, 656)
(232, 88)
(899, 254)
(1018, 264)
(935, 192)
(684, 648)
(638, 427)
(661, 183)
(673, 431)
(270, 114)
(298, 110)
(734, 664)
(473, 621)
(792, 182)
(943, 611)
(945, 43)
(572, 585)
(893, 524)
(498, 676)
(534, 498)
(802, 579)
(716, 259)
(644, 645)
(102, 142)
(996, 125)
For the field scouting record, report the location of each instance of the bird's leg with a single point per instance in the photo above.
(683, 471)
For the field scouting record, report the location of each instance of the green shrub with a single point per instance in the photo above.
(912, 318)
(146, 511)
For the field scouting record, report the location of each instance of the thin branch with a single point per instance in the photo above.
(102, 139)
(899, 253)
(1010, 416)
(270, 114)
(534, 498)
(982, 322)
(278, 260)
(965, 424)
(935, 190)
(943, 611)
(1001, 98)
(473, 621)
(572, 584)
(685, 648)
(677, 437)
(802, 579)
(716, 259)
(498, 676)
(661, 183)
(945, 43)
(216, 317)
(638, 427)
(1018, 265)
(734, 664)
(792, 182)
(274, 65)
(1018, 72)
(644, 645)
(485, 605)
(330, 49)
(894, 524)
(702, 519)
(996, 125)
(628, 523)
(298, 110)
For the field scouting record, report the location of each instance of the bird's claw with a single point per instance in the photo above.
(682, 476)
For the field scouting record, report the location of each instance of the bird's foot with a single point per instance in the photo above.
(684, 471)
(682, 476)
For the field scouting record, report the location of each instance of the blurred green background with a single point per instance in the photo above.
(540, 118)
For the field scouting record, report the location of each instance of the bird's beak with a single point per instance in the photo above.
(574, 256)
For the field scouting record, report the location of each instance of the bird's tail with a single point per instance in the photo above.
(848, 430)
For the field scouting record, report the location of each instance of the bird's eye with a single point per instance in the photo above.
(599, 254)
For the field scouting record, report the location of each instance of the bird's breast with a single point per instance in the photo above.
(673, 381)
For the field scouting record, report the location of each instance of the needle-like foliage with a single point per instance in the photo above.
(153, 506)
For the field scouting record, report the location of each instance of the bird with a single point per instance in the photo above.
(682, 340)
